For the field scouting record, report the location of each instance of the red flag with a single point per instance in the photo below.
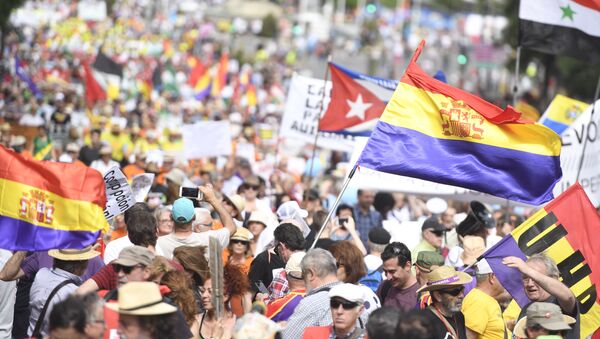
(197, 72)
(93, 90)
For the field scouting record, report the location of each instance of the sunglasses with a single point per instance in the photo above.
(235, 241)
(253, 187)
(455, 292)
(437, 233)
(347, 305)
(126, 269)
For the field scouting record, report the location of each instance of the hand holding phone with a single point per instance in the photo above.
(193, 193)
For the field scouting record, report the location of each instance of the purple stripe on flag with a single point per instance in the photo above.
(509, 277)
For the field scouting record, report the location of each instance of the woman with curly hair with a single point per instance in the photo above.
(194, 262)
(238, 252)
(181, 293)
(351, 268)
(237, 287)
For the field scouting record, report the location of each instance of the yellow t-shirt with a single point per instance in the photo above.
(483, 315)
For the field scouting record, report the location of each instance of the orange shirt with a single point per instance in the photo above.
(132, 170)
(118, 233)
(245, 266)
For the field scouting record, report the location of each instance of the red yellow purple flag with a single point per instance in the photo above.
(565, 230)
(49, 205)
(433, 131)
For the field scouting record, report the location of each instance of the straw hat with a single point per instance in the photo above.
(242, 234)
(546, 315)
(444, 277)
(141, 298)
(238, 202)
(474, 247)
(86, 253)
(260, 217)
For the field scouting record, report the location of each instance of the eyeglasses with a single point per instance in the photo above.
(236, 241)
(437, 233)
(126, 269)
(454, 292)
(252, 187)
(347, 305)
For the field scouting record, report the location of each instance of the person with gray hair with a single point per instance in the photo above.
(320, 275)
(164, 220)
(541, 281)
(94, 315)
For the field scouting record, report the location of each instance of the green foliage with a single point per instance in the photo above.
(6, 8)
(578, 78)
(269, 28)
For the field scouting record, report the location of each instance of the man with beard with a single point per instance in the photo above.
(446, 287)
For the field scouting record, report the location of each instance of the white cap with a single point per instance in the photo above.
(288, 210)
(350, 292)
(436, 205)
(293, 264)
(483, 267)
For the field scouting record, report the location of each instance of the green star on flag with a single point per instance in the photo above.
(567, 12)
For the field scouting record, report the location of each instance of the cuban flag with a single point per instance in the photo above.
(357, 101)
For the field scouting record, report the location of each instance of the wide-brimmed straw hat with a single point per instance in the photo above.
(86, 253)
(238, 202)
(444, 277)
(141, 298)
(546, 315)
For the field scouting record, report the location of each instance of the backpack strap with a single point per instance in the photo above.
(38, 324)
(385, 289)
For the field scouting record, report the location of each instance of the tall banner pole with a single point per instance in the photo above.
(585, 140)
(314, 150)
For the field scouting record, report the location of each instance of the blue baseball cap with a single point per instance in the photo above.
(183, 210)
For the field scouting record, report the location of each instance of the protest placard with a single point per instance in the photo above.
(302, 112)
(584, 128)
(118, 193)
(206, 139)
(140, 186)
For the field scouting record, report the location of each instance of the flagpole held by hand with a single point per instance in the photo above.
(335, 205)
(596, 95)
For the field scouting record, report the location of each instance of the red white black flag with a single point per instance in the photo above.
(564, 27)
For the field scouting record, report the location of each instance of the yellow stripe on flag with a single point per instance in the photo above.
(440, 117)
(22, 202)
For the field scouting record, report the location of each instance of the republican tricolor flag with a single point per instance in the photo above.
(357, 101)
(564, 27)
(432, 131)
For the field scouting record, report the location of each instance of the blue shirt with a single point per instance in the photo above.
(365, 222)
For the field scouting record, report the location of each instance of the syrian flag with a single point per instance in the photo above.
(357, 101)
(108, 74)
(564, 27)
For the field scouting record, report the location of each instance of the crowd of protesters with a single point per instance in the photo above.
(363, 276)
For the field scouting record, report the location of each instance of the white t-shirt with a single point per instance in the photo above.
(112, 250)
(371, 300)
(168, 243)
(8, 294)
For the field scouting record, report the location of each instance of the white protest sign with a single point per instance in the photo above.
(572, 151)
(91, 10)
(140, 186)
(118, 193)
(206, 139)
(302, 112)
(366, 178)
(246, 150)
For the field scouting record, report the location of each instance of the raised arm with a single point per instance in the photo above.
(12, 269)
(211, 198)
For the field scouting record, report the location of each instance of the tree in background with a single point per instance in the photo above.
(6, 8)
